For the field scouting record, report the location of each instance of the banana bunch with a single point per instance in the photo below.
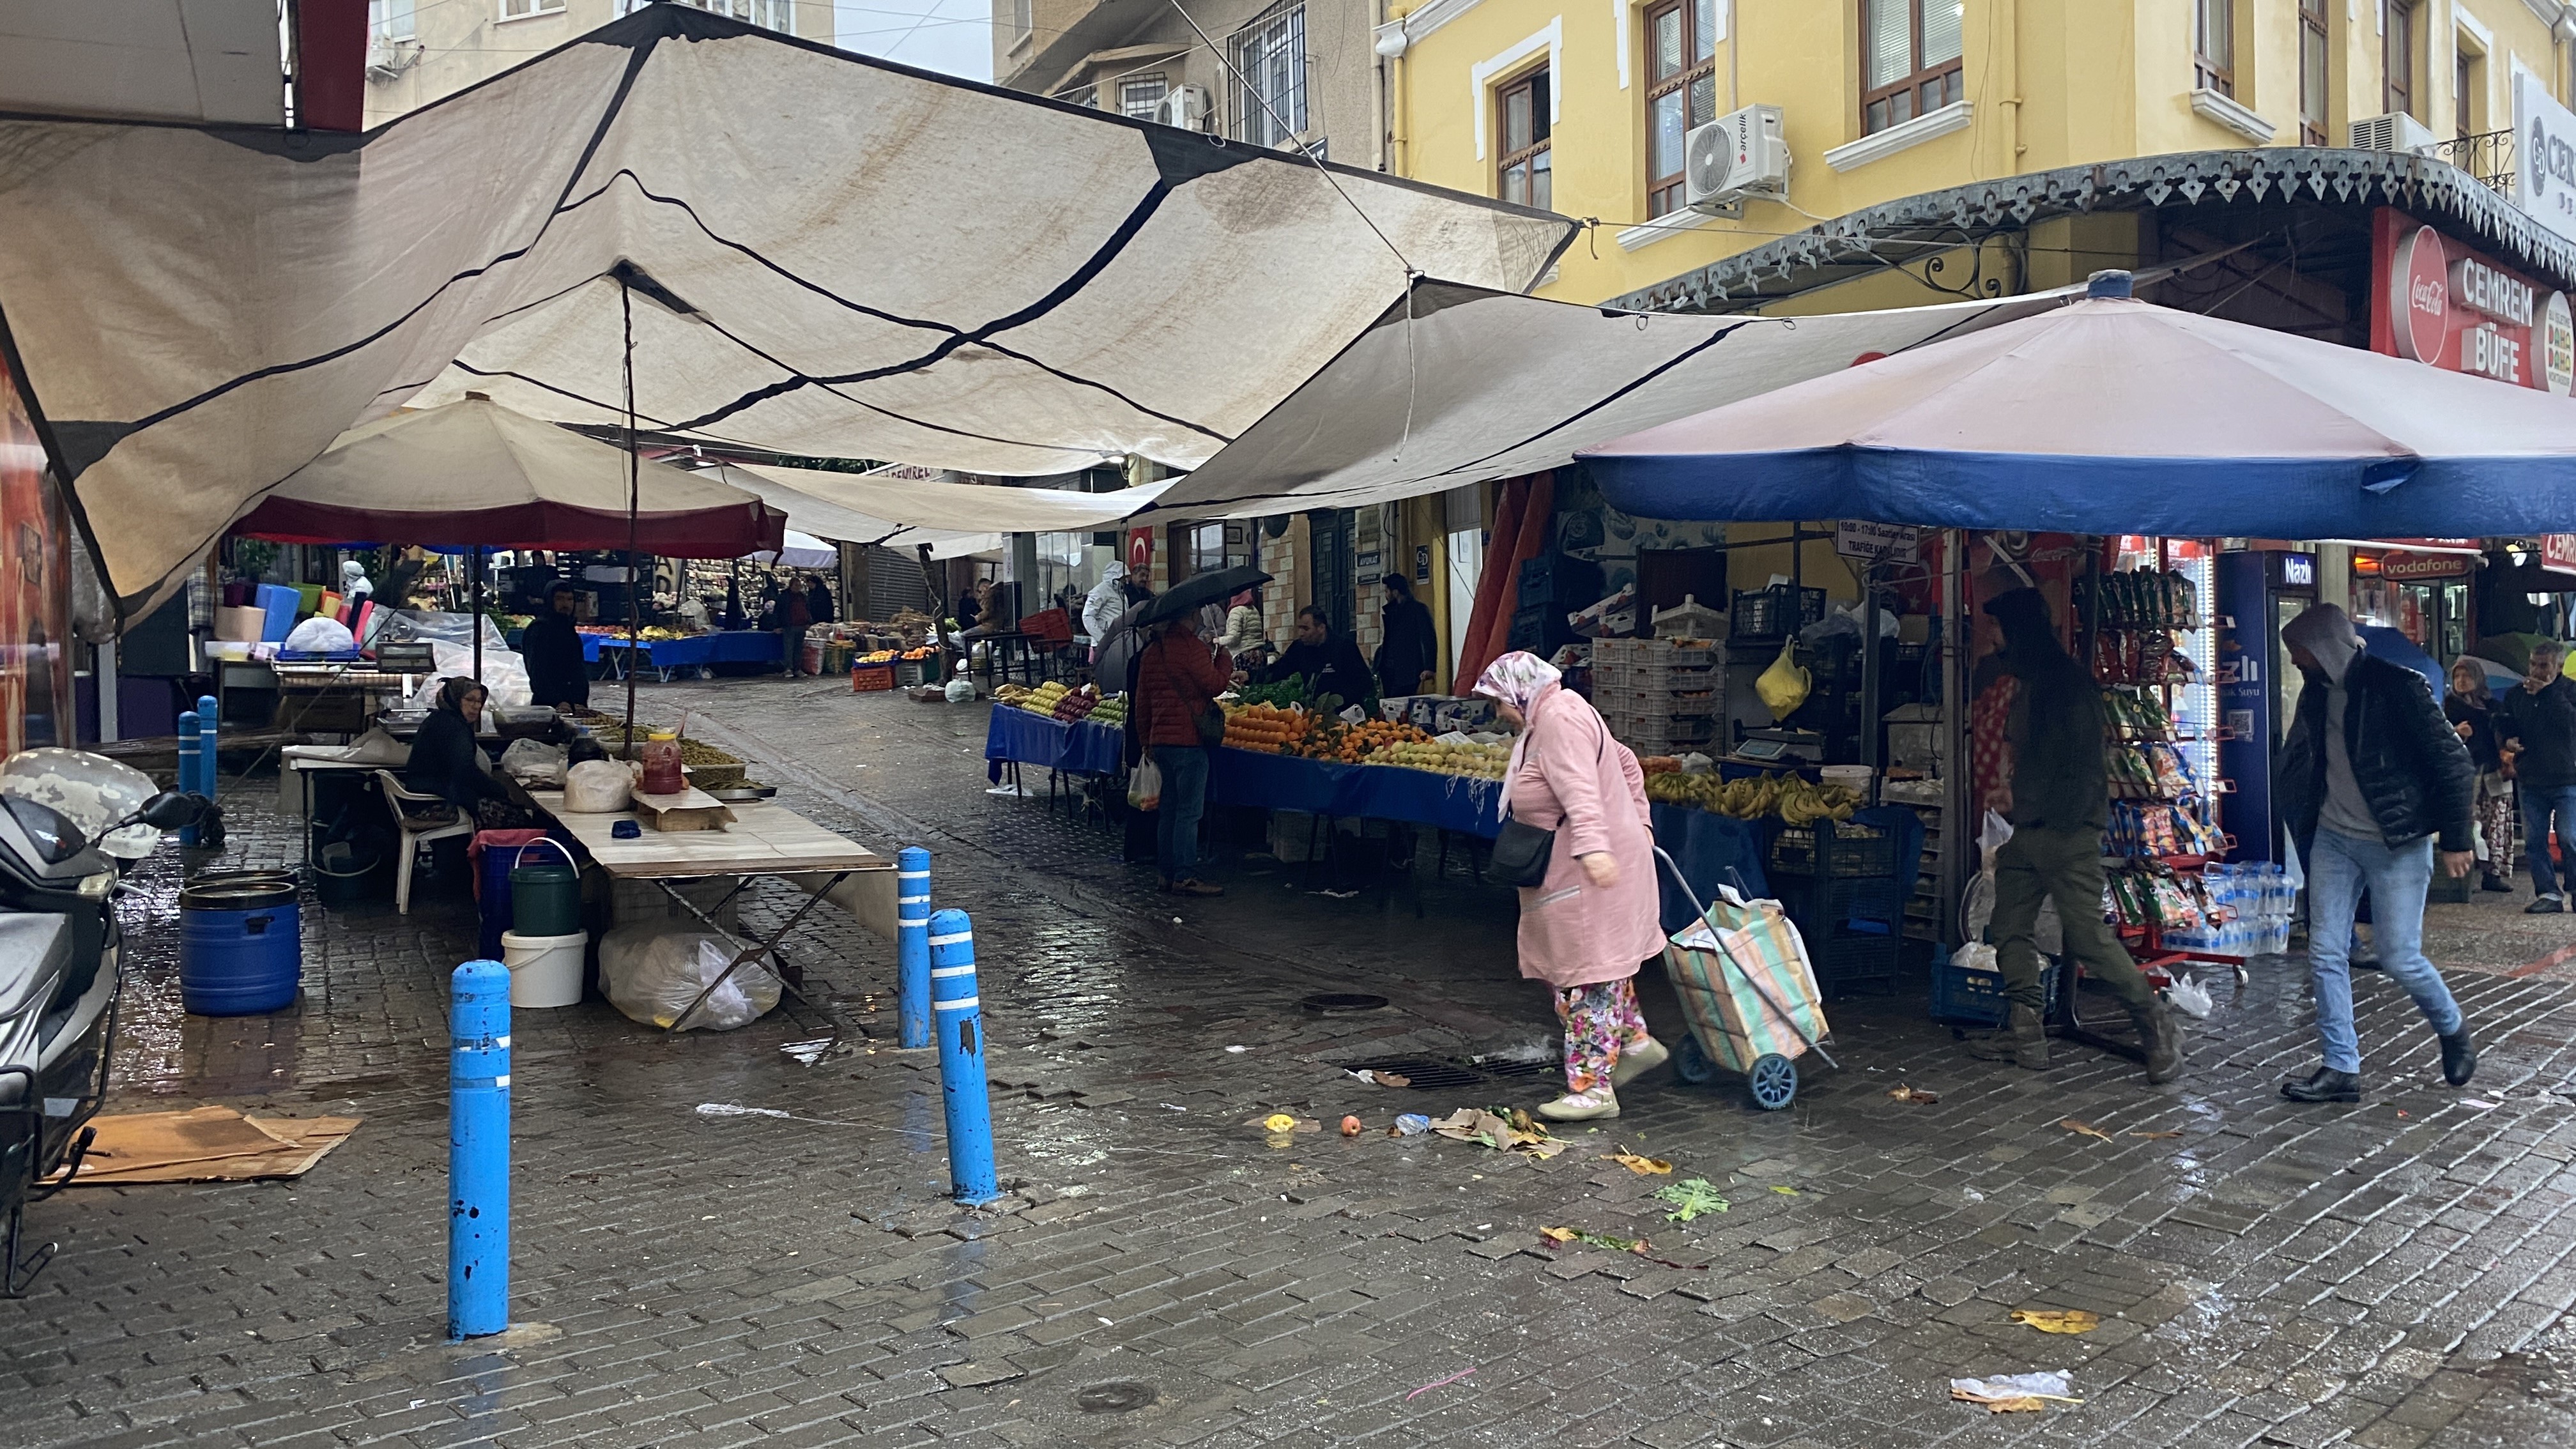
(1795, 800)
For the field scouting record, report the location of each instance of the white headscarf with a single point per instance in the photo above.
(1519, 679)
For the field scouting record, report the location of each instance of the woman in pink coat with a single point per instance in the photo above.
(1598, 913)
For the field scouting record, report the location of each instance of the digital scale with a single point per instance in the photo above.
(1781, 747)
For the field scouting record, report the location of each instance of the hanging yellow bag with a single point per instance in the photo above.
(1784, 686)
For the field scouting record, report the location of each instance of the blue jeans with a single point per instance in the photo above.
(2397, 878)
(1176, 834)
(2538, 806)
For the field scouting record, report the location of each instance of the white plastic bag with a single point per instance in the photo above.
(598, 787)
(321, 635)
(652, 973)
(2190, 998)
(1145, 787)
(535, 765)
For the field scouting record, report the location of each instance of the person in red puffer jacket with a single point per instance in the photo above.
(1178, 677)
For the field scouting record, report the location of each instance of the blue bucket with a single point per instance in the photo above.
(241, 948)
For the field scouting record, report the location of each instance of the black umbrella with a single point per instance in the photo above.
(1193, 594)
(1118, 645)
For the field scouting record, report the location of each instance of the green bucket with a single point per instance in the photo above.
(545, 900)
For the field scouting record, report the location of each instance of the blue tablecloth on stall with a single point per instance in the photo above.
(731, 646)
(1355, 792)
(1711, 850)
(1077, 748)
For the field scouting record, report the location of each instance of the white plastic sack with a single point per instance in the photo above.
(959, 689)
(320, 635)
(537, 766)
(1696, 763)
(652, 973)
(1145, 787)
(598, 787)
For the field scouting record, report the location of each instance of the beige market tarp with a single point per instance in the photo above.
(832, 255)
(955, 519)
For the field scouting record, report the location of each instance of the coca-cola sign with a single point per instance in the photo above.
(2419, 296)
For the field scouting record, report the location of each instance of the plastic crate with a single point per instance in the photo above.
(1829, 850)
(871, 678)
(1775, 611)
(1829, 906)
(1968, 997)
(1846, 965)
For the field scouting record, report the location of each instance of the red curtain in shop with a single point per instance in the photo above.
(1524, 519)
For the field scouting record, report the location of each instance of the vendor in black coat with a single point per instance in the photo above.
(448, 762)
(1410, 658)
(1329, 663)
(551, 649)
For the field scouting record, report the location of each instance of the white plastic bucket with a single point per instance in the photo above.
(544, 970)
(1855, 778)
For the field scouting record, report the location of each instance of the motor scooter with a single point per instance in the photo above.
(59, 982)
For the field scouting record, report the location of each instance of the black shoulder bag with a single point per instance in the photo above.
(1521, 853)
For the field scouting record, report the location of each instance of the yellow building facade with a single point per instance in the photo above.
(1583, 107)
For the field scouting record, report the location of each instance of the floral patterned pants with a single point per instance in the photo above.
(1599, 1019)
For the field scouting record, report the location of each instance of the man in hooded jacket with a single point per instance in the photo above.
(2371, 773)
(2055, 790)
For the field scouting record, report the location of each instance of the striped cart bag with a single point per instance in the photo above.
(1749, 991)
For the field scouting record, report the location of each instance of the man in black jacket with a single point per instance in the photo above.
(2539, 716)
(2371, 773)
(2056, 792)
(551, 649)
(1329, 663)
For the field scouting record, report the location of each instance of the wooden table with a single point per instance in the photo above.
(764, 839)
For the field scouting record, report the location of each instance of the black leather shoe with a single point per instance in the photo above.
(2496, 883)
(2544, 906)
(2325, 1086)
(2459, 1057)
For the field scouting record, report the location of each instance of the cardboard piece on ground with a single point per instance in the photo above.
(207, 1144)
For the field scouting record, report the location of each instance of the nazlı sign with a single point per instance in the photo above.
(2544, 174)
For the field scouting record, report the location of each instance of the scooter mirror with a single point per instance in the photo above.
(169, 810)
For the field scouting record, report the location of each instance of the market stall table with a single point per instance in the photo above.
(762, 840)
(698, 651)
(1015, 737)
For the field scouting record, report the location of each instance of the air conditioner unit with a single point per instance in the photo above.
(1183, 106)
(1735, 156)
(2396, 131)
(387, 58)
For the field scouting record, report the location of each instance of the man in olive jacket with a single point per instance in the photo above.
(2370, 774)
(2056, 792)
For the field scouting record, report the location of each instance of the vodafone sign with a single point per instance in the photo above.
(2441, 304)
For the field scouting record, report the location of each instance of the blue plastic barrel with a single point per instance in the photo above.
(241, 948)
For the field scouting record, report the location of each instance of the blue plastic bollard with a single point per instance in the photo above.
(478, 1150)
(961, 1058)
(912, 945)
(190, 747)
(208, 722)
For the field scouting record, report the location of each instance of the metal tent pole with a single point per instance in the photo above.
(634, 504)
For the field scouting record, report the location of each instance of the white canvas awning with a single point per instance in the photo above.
(827, 255)
(1460, 385)
(955, 519)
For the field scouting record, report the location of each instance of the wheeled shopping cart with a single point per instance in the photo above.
(1749, 992)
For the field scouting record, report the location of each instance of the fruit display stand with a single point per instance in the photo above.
(695, 651)
(1072, 733)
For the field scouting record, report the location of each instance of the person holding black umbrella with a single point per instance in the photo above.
(1178, 678)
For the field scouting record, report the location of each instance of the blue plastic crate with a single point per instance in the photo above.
(1967, 997)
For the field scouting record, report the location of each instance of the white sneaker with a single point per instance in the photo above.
(1636, 1059)
(1582, 1106)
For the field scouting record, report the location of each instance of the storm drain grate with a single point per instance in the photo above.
(1427, 1074)
(1519, 1067)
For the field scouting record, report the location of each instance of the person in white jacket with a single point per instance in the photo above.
(1102, 606)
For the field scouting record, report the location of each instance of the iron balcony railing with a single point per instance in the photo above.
(2488, 156)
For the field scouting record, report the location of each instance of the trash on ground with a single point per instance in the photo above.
(1916, 1095)
(1350, 1126)
(1339, 895)
(2086, 1128)
(2157, 1136)
(1641, 1165)
(2481, 1103)
(1784, 1189)
(1690, 1198)
(1589, 1238)
(2015, 1393)
(207, 1144)
(1378, 1078)
(1238, 1049)
(1475, 1124)
(809, 1052)
(1437, 1384)
(2058, 1320)
(2190, 998)
(728, 1109)
(1282, 1122)
(1410, 1124)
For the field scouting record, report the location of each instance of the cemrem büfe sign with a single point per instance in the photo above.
(2438, 302)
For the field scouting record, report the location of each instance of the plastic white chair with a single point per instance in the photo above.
(416, 832)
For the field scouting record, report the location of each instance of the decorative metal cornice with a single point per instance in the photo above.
(2435, 190)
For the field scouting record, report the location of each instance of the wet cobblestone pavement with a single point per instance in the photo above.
(2390, 1275)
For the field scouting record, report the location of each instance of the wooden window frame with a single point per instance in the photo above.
(1692, 72)
(1540, 129)
(2212, 72)
(2312, 21)
(2468, 78)
(1949, 72)
(2397, 59)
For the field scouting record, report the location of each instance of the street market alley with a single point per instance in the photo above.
(1165, 1272)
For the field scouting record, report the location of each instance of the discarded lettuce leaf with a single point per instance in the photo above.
(2058, 1320)
(1690, 1198)
(1784, 1189)
(1642, 1166)
(1589, 1238)
(2086, 1128)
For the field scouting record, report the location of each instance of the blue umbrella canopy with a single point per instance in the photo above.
(2111, 415)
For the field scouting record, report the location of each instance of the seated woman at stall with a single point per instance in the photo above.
(448, 762)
